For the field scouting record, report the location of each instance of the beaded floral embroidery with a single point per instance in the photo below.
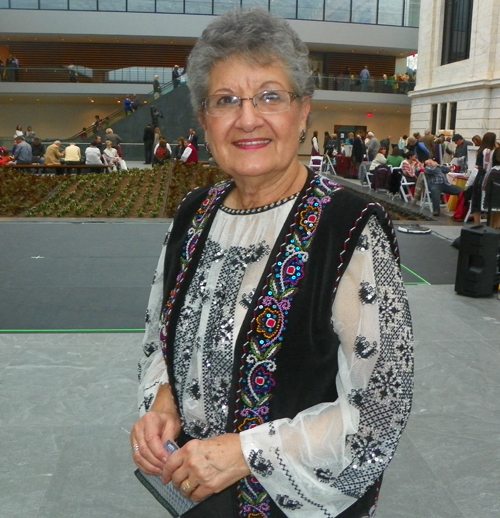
(268, 327)
(198, 224)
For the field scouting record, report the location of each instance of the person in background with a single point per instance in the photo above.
(176, 76)
(439, 149)
(148, 138)
(438, 183)
(156, 87)
(461, 150)
(72, 155)
(156, 115)
(162, 152)
(127, 106)
(22, 154)
(110, 156)
(2, 69)
(278, 344)
(29, 135)
(372, 145)
(386, 142)
(358, 150)
(72, 73)
(449, 150)
(181, 146)
(156, 137)
(395, 159)
(326, 141)
(116, 141)
(97, 123)
(189, 154)
(135, 103)
(38, 151)
(314, 144)
(411, 167)
(349, 141)
(402, 143)
(493, 176)
(476, 140)
(428, 141)
(193, 137)
(93, 156)
(364, 77)
(19, 131)
(53, 154)
(380, 159)
(484, 163)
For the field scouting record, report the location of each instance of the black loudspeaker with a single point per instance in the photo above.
(478, 262)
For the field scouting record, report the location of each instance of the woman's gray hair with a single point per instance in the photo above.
(257, 37)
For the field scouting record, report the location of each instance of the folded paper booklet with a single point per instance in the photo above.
(169, 497)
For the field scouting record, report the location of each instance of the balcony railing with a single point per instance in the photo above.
(398, 84)
(399, 13)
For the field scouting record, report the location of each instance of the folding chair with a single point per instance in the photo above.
(316, 163)
(426, 201)
(327, 165)
(405, 189)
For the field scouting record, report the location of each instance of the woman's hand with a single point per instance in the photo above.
(202, 468)
(153, 430)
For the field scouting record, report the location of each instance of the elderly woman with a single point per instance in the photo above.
(283, 362)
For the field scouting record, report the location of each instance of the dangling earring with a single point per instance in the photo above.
(302, 136)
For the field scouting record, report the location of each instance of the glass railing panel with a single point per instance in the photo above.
(310, 10)
(169, 6)
(4, 4)
(112, 5)
(284, 8)
(223, 6)
(23, 4)
(390, 12)
(141, 6)
(83, 5)
(59, 5)
(248, 4)
(337, 11)
(364, 11)
(198, 7)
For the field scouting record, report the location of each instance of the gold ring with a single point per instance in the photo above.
(135, 447)
(186, 486)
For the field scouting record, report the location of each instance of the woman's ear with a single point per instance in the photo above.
(202, 120)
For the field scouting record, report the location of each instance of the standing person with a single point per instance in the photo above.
(461, 149)
(72, 72)
(148, 138)
(97, 126)
(29, 135)
(314, 144)
(193, 138)
(386, 142)
(283, 366)
(19, 131)
(135, 103)
(364, 77)
(156, 137)
(477, 180)
(127, 106)
(15, 64)
(156, 87)
(372, 146)
(156, 115)
(326, 141)
(2, 69)
(116, 140)
(176, 76)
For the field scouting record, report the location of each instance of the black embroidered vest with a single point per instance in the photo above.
(285, 359)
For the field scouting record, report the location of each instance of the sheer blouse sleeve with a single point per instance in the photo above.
(152, 370)
(322, 461)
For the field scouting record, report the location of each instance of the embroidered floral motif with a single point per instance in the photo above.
(324, 475)
(367, 293)
(285, 502)
(259, 464)
(363, 348)
(363, 244)
(355, 397)
(269, 325)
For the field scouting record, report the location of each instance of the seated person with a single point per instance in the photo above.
(93, 155)
(22, 152)
(190, 153)
(53, 154)
(438, 183)
(162, 152)
(380, 159)
(38, 151)
(395, 159)
(181, 146)
(411, 166)
(72, 155)
(110, 156)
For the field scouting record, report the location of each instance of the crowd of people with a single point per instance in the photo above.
(9, 71)
(157, 150)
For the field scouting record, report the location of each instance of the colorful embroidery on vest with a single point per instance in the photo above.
(268, 327)
(193, 235)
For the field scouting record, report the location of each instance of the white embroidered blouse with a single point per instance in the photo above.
(306, 455)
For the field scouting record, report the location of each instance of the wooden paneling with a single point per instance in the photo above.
(336, 63)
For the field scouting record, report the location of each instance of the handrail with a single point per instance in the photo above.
(117, 115)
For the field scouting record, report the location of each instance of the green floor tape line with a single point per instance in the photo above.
(19, 331)
(416, 275)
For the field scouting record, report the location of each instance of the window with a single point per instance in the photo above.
(453, 116)
(434, 123)
(456, 30)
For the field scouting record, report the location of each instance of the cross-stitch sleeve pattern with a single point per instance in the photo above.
(152, 370)
(322, 461)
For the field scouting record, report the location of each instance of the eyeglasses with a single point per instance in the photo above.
(267, 102)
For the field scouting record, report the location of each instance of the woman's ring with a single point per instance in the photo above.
(186, 486)
(135, 447)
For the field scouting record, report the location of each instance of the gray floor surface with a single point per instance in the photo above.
(67, 400)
